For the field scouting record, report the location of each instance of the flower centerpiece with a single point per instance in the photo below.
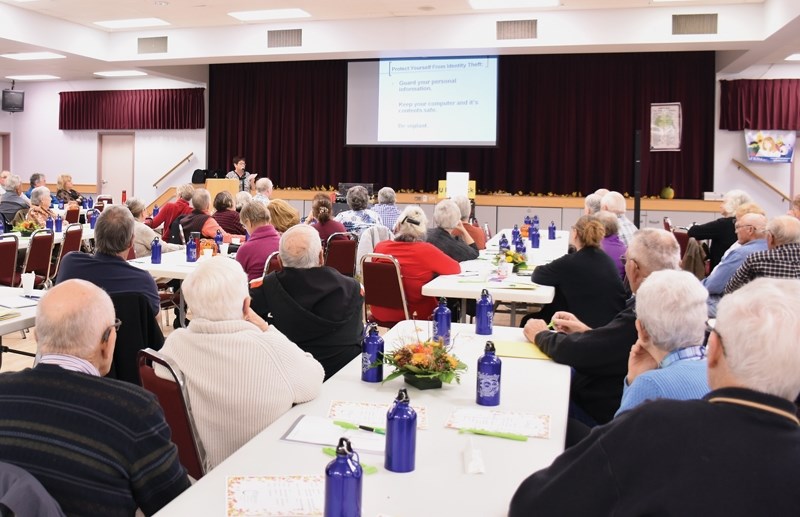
(424, 365)
(515, 258)
(26, 228)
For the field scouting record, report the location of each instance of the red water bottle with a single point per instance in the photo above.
(124, 196)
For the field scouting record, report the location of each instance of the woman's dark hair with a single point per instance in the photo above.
(223, 201)
(322, 207)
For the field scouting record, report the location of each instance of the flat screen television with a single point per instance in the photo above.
(13, 100)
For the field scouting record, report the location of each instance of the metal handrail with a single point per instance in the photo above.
(185, 159)
(769, 185)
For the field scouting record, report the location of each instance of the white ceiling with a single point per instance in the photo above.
(751, 32)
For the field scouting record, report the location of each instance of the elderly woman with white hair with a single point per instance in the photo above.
(359, 217)
(721, 232)
(448, 226)
(241, 373)
(668, 359)
(419, 262)
(465, 207)
(40, 206)
(386, 207)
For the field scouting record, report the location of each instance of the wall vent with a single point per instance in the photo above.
(285, 38)
(694, 24)
(153, 45)
(516, 29)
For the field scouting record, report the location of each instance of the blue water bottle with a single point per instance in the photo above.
(527, 220)
(90, 203)
(534, 237)
(487, 392)
(191, 250)
(503, 242)
(401, 435)
(59, 223)
(371, 351)
(218, 239)
(515, 233)
(343, 482)
(61, 204)
(484, 314)
(551, 231)
(535, 222)
(442, 318)
(520, 246)
(155, 251)
(155, 210)
(49, 223)
(92, 215)
(85, 202)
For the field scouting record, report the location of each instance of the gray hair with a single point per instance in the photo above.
(613, 202)
(464, 208)
(357, 198)
(113, 231)
(592, 203)
(412, 225)
(733, 199)
(255, 214)
(758, 326)
(35, 177)
(300, 247)
(785, 229)
(13, 182)
(671, 306)
(185, 191)
(263, 185)
(136, 206)
(201, 199)
(73, 328)
(446, 215)
(387, 196)
(38, 194)
(216, 289)
(242, 198)
(655, 249)
(602, 191)
(609, 221)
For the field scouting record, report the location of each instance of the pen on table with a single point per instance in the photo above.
(348, 425)
(496, 434)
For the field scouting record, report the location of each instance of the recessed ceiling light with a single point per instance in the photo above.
(120, 73)
(31, 77)
(793, 57)
(269, 14)
(512, 4)
(30, 56)
(132, 23)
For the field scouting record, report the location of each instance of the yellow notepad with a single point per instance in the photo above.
(517, 349)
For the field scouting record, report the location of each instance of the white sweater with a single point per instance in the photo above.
(239, 380)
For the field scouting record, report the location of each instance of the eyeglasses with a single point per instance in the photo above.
(117, 324)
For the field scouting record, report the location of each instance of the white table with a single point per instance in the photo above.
(439, 485)
(548, 250)
(173, 265)
(58, 237)
(26, 318)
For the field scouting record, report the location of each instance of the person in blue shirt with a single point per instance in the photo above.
(668, 359)
(39, 180)
(751, 236)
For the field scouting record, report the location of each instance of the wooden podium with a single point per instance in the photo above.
(215, 186)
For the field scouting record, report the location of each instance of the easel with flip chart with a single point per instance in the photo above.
(456, 184)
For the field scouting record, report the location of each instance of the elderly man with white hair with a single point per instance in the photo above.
(447, 226)
(263, 191)
(386, 207)
(3, 178)
(591, 204)
(614, 202)
(241, 373)
(721, 232)
(13, 201)
(668, 359)
(735, 452)
(780, 260)
(314, 305)
(465, 208)
(600, 356)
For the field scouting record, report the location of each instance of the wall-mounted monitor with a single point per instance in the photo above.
(13, 100)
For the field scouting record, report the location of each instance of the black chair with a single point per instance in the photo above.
(139, 330)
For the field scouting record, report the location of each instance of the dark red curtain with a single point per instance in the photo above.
(182, 108)
(566, 125)
(759, 104)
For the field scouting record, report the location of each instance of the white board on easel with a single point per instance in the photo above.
(457, 184)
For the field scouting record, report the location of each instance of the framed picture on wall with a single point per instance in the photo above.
(665, 126)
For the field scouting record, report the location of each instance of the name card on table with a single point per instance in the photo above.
(270, 496)
(512, 422)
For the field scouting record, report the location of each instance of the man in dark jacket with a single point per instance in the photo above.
(313, 305)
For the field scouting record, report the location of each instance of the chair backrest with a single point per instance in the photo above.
(73, 235)
(486, 231)
(340, 252)
(383, 283)
(273, 263)
(683, 241)
(174, 400)
(668, 224)
(9, 244)
(40, 249)
(139, 330)
(105, 198)
(131, 253)
(73, 215)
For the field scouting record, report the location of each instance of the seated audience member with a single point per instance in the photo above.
(386, 207)
(668, 359)
(611, 243)
(751, 234)
(40, 207)
(312, 304)
(448, 226)
(174, 209)
(464, 208)
(108, 268)
(242, 198)
(359, 217)
(199, 220)
(601, 192)
(740, 443)
(367, 241)
(263, 191)
(143, 235)
(600, 356)
(283, 215)
(614, 202)
(419, 262)
(264, 240)
(241, 374)
(746, 208)
(794, 208)
(587, 282)
(39, 180)
(4, 175)
(591, 204)
(780, 260)
(66, 191)
(721, 231)
(99, 446)
(225, 215)
(321, 218)
(12, 201)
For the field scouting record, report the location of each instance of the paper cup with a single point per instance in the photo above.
(223, 248)
(208, 252)
(236, 240)
(27, 283)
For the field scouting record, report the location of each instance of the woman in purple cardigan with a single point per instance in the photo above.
(264, 239)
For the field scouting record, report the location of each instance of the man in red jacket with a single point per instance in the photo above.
(173, 209)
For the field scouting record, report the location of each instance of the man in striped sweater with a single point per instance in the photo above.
(98, 446)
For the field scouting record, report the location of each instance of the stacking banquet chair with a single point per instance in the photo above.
(273, 263)
(383, 286)
(139, 330)
(340, 252)
(9, 244)
(72, 215)
(37, 260)
(103, 198)
(174, 400)
(73, 235)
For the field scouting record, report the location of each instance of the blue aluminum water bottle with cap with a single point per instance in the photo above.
(85, 202)
(191, 250)
(484, 314)
(61, 204)
(527, 220)
(49, 223)
(503, 242)
(535, 222)
(155, 210)
(218, 239)
(59, 222)
(442, 317)
(155, 251)
(343, 482)
(371, 351)
(534, 237)
(515, 233)
(520, 246)
(92, 215)
(488, 389)
(401, 435)
(90, 203)
(551, 231)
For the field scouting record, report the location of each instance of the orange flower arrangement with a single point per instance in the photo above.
(427, 360)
